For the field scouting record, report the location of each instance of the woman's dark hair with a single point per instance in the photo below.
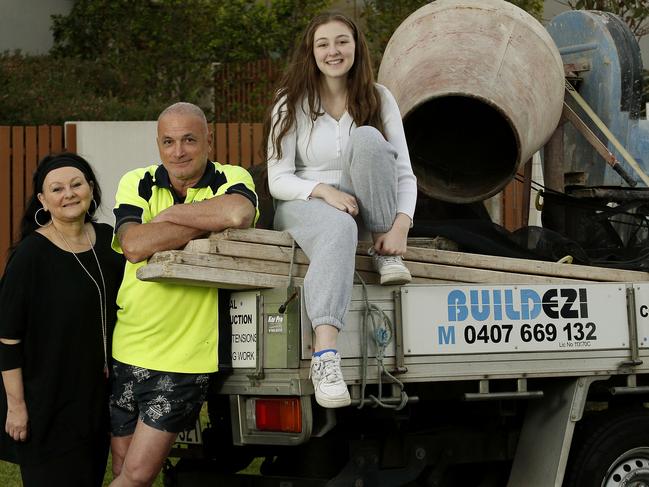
(48, 163)
(302, 80)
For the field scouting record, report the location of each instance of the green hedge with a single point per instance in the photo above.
(49, 90)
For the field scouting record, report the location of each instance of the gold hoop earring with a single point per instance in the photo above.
(36, 218)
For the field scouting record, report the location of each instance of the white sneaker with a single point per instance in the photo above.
(330, 388)
(391, 268)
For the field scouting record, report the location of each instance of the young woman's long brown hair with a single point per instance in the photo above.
(302, 80)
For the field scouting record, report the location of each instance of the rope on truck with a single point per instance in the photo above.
(380, 330)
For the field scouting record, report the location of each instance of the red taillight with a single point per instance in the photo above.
(278, 414)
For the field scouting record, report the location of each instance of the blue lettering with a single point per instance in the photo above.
(457, 310)
(511, 313)
(498, 305)
(446, 335)
(530, 304)
(479, 313)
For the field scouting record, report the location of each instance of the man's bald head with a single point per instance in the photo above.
(185, 109)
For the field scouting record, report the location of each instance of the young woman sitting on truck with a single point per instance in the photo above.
(337, 160)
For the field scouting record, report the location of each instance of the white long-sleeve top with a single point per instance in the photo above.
(312, 154)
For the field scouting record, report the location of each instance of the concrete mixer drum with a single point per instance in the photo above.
(480, 86)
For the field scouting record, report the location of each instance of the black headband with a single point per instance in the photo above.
(56, 164)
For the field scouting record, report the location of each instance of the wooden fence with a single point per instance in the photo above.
(237, 143)
(243, 91)
(516, 199)
(22, 147)
(234, 143)
(20, 150)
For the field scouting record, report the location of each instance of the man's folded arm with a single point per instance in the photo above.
(174, 227)
(139, 241)
(212, 215)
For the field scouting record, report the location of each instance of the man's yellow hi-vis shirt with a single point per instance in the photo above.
(161, 326)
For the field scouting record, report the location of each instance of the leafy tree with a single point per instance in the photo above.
(43, 90)
(124, 59)
(266, 32)
(146, 49)
(168, 47)
(382, 17)
(249, 29)
(534, 7)
(634, 12)
(636, 15)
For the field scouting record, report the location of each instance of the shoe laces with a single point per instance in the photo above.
(328, 369)
(389, 259)
(384, 259)
(332, 369)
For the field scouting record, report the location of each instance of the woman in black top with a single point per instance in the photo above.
(57, 310)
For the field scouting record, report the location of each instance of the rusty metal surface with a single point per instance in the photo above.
(480, 87)
(612, 87)
(597, 144)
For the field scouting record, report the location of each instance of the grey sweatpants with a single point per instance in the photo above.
(329, 236)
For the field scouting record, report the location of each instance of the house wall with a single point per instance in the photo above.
(113, 149)
(25, 24)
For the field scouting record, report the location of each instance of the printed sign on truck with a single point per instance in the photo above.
(243, 318)
(521, 318)
(642, 313)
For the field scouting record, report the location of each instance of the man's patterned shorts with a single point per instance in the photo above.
(166, 401)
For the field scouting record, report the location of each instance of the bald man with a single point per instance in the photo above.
(166, 337)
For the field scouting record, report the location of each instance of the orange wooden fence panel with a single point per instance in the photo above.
(71, 137)
(220, 147)
(31, 149)
(57, 138)
(237, 143)
(257, 149)
(20, 150)
(233, 144)
(516, 199)
(19, 181)
(245, 133)
(43, 141)
(244, 90)
(5, 193)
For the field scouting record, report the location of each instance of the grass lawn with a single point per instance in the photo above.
(10, 475)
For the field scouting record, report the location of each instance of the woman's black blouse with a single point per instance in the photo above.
(48, 301)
